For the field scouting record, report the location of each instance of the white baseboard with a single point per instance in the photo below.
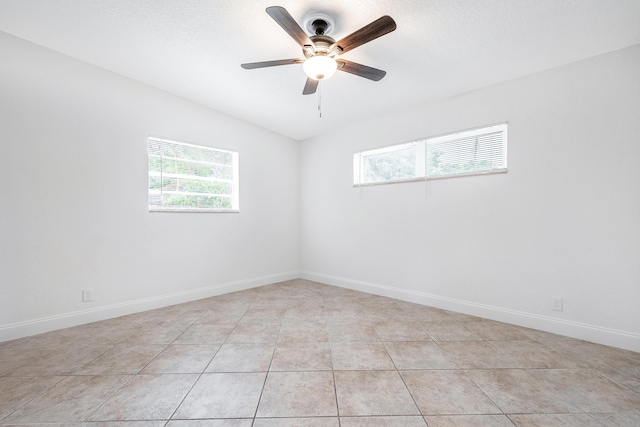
(52, 323)
(597, 334)
(582, 331)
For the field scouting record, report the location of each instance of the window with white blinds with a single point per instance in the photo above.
(473, 152)
(191, 178)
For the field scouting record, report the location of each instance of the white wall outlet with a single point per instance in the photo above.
(87, 295)
(556, 303)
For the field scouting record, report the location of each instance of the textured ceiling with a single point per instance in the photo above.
(194, 48)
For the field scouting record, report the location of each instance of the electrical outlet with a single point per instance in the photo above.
(87, 295)
(556, 303)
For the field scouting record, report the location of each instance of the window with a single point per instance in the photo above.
(472, 152)
(191, 178)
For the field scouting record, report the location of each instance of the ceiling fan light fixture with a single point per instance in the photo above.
(320, 67)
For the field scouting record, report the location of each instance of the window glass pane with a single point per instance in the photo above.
(465, 155)
(390, 165)
(189, 178)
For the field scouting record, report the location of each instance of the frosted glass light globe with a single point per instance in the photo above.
(320, 67)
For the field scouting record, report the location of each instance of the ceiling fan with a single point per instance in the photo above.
(321, 52)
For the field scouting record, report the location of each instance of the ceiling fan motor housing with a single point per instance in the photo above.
(319, 26)
(318, 23)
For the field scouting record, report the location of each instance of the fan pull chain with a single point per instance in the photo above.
(320, 99)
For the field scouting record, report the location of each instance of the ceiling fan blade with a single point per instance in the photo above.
(253, 65)
(286, 21)
(310, 86)
(360, 70)
(377, 28)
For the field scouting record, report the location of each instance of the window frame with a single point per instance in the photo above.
(421, 170)
(234, 180)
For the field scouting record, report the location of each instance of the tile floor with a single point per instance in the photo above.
(300, 353)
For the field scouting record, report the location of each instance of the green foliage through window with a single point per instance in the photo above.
(390, 166)
(184, 177)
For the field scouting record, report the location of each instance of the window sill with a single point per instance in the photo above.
(195, 210)
(430, 178)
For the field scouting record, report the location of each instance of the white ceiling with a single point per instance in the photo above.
(194, 48)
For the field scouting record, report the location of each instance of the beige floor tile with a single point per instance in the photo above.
(352, 332)
(147, 397)
(255, 333)
(377, 313)
(221, 316)
(221, 304)
(161, 333)
(109, 332)
(270, 301)
(346, 301)
(181, 314)
(449, 331)
(350, 356)
(397, 421)
(595, 355)
(60, 360)
(298, 394)
(16, 391)
(209, 423)
(182, 359)
(122, 360)
(343, 314)
(242, 358)
(556, 420)
(111, 424)
(533, 354)
(90, 424)
(223, 395)
(302, 314)
(308, 302)
(589, 390)
(175, 314)
(302, 357)
(10, 364)
(628, 378)
(205, 333)
(421, 313)
(516, 391)
(477, 355)
(469, 421)
(496, 331)
(72, 399)
(363, 393)
(401, 331)
(619, 418)
(263, 315)
(419, 355)
(303, 331)
(545, 337)
(447, 392)
(297, 422)
(84, 335)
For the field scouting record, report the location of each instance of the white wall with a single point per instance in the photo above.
(564, 221)
(73, 197)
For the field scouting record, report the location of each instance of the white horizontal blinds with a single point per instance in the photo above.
(388, 164)
(189, 177)
(482, 150)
